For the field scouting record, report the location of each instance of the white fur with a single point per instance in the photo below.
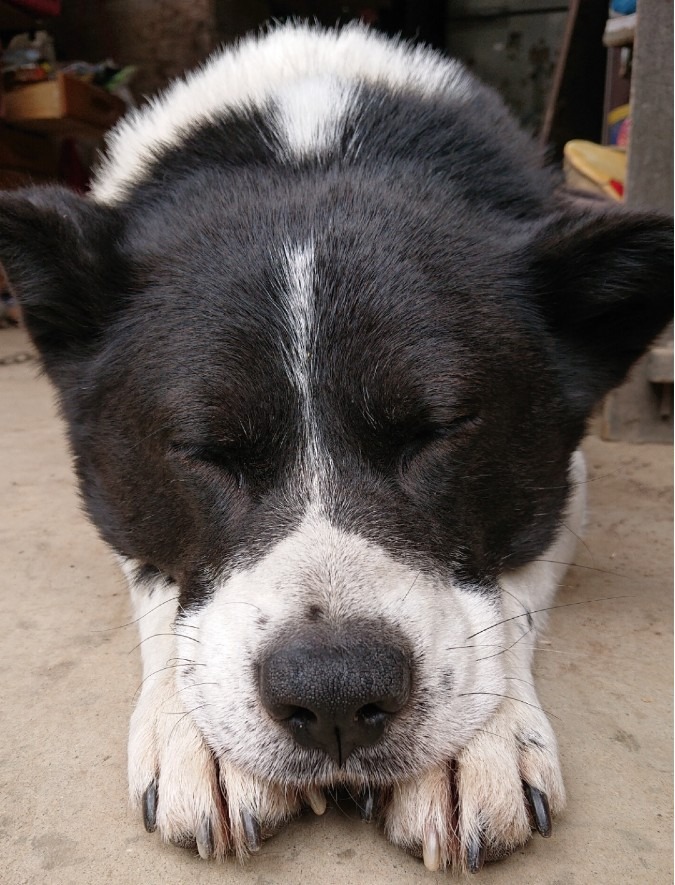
(303, 76)
(309, 113)
(298, 263)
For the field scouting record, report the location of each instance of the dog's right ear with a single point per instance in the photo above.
(59, 254)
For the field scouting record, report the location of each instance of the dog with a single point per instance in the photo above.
(326, 340)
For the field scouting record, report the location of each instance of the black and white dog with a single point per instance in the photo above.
(326, 344)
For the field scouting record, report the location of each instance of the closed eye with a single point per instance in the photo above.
(222, 458)
(428, 436)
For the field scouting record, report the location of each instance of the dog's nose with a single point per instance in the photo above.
(335, 696)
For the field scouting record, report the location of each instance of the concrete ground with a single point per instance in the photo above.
(68, 680)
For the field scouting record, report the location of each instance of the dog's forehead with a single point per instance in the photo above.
(364, 300)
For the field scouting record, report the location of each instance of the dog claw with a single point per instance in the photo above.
(316, 800)
(204, 838)
(150, 807)
(540, 810)
(475, 855)
(251, 832)
(431, 850)
(366, 804)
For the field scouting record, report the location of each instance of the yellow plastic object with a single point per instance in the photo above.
(596, 168)
(616, 115)
(618, 126)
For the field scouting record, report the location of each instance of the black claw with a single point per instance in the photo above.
(540, 810)
(475, 855)
(150, 807)
(204, 838)
(251, 831)
(366, 803)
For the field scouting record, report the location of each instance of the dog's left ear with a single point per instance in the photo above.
(604, 282)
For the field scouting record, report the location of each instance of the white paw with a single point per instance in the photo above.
(188, 796)
(184, 794)
(484, 804)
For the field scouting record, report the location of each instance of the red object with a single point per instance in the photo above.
(616, 186)
(623, 135)
(38, 7)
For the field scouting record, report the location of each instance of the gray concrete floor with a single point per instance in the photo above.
(68, 679)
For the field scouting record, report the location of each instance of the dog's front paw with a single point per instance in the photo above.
(484, 804)
(186, 795)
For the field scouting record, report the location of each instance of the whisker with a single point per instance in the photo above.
(189, 713)
(169, 666)
(345, 787)
(227, 602)
(577, 482)
(517, 679)
(493, 734)
(410, 588)
(508, 648)
(154, 673)
(581, 540)
(533, 647)
(514, 597)
(333, 795)
(612, 474)
(507, 697)
(186, 687)
(589, 568)
(549, 608)
(131, 623)
(156, 635)
(557, 651)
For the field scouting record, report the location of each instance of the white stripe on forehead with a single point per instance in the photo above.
(298, 355)
(299, 262)
(268, 72)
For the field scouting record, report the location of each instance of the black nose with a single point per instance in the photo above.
(335, 696)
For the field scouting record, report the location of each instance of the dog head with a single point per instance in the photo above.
(324, 363)
(333, 415)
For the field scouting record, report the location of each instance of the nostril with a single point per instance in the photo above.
(301, 717)
(303, 724)
(292, 714)
(371, 715)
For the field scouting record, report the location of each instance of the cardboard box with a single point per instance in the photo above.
(66, 105)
